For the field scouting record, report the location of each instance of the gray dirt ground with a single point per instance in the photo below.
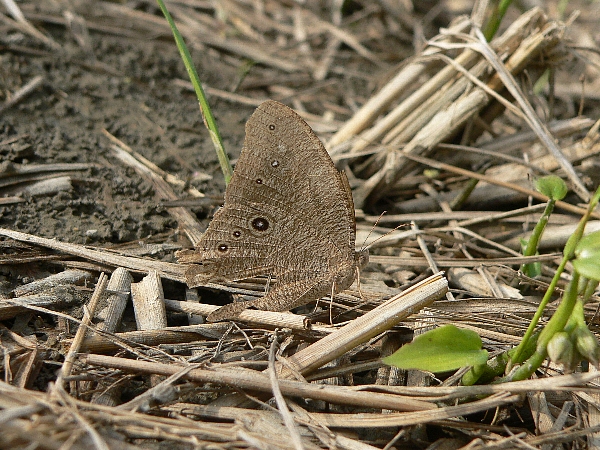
(125, 87)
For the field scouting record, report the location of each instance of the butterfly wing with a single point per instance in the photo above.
(288, 212)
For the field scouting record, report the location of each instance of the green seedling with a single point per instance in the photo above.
(440, 350)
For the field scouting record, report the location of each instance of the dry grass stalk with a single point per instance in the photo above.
(53, 299)
(252, 380)
(24, 25)
(106, 343)
(63, 278)
(166, 270)
(442, 111)
(434, 86)
(577, 151)
(119, 285)
(511, 186)
(389, 93)
(31, 85)
(80, 335)
(188, 222)
(267, 319)
(362, 420)
(33, 419)
(25, 182)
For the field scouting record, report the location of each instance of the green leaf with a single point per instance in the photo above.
(445, 348)
(552, 187)
(587, 256)
(590, 241)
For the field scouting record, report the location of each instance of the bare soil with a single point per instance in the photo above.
(124, 86)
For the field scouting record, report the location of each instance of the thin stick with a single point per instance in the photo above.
(31, 86)
(88, 313)
(256, 381)
(515, 187)
(288, 420)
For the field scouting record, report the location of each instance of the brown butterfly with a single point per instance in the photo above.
(288, 214)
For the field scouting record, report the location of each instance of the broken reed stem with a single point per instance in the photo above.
(120, 286)
(166, 270)
(269, 319)
(148, 303)
(380, 101)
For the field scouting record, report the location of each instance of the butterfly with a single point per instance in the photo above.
(288, 214)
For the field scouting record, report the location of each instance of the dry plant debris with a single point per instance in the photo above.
(103, 347)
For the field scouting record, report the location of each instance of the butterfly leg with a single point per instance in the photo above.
(358, 282)
(331, 303)
(268, 284)
(331, 296)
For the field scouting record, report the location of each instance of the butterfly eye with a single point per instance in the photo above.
(260, 224)
(223, 248)
(275, 163)
(237, 233)
(272, 127)
(258, 181)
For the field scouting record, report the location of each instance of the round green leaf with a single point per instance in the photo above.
(445, 348)
(552, 186)
(587, 256)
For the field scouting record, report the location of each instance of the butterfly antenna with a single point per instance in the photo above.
(383, 235)
(364, 247)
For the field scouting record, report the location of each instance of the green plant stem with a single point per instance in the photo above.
(496, 366)
(533, 242)
(516, 357)
(207, 117)
(562, 314)
(567, 256)
(538, 231)
(588, 289)
(556, 324)
(526, 369)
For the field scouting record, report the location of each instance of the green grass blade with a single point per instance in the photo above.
(207, 117)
